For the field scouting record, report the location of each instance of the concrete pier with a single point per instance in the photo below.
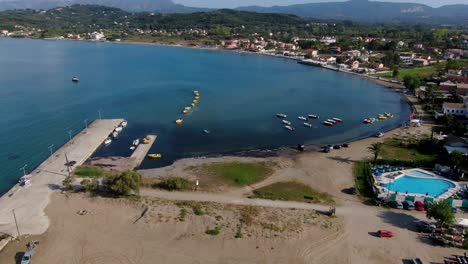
(29, 202)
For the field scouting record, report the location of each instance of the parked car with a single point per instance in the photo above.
(408, 205)
(395, 204)
(345, 145)
(425, 227)
(419, 206)
(385, 233)
(337, 147)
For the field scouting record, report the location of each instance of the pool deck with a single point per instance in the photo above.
(29, 202)
(390, 177)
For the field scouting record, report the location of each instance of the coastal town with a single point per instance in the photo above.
(396, 196)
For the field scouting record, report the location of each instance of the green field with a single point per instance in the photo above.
(292, 191)
(89, 171)
(421, 72)
(238, 173)
(362, 179)
(393, 149)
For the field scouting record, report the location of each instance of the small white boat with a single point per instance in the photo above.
(132, 148)
(115, 134)
(314, 116)
(281, 115)
(302, 118)
(286, 122)
(206, 131)
(75, 79)
(289, 128)
(307, 124)
(136, 142)
(107, 141)
(118, 129)
(327, 123)
(124, 123)
(337, 120)
(331, 121)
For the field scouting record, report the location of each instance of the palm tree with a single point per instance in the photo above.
(375, 148)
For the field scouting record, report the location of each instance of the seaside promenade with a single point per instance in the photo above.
(29, 202)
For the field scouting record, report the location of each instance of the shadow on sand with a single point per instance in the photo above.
(18, 257)
(399, 219)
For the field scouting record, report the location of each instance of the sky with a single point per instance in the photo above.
(237, 3)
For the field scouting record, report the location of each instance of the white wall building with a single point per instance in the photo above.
(457, 109)
(97, 36)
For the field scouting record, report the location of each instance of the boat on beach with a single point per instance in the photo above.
(289, 128)
(314, 116)
(281, 116)
(302, 118)
(286, 122)
(307, 124)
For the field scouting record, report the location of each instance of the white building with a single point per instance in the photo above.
(97, 36)
(328, 40)
(457, 109)
(4, 32)
(407, 58)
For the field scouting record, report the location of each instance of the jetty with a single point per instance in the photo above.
(125, 163)
(27, 203)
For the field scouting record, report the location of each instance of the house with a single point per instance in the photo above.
(353, 53)
(4, 32)
(328, 59)
(290, 46)
(97, 36)
(419, 62)
(335, 49)
(448, 86)
(418, 46)
(453, 54)
(231, 44)
(454, 72)
(328, 40)
(462, 89)
(460, 147)
(457, 109)
(376, 65)
(354, 65)
(400, 43)
(457, 78)
(406, 58)
(311, 52)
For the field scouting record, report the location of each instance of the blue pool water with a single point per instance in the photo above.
(432, 186)
(420, 173)
(150, 85)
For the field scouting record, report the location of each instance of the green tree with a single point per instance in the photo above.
(457, 158)
(376, 149)
(453, 65)
(411, 82)
(441, 211)
(395, 72)
(125, 183)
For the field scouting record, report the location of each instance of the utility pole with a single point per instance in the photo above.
(16, 223)
(69, 135)
(24, 169)
(99, 112)
(51, 148)
(67, 164)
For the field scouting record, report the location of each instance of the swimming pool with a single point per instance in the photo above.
(420, 173)
(430, 186)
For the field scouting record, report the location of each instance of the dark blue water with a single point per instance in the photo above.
(150, 86)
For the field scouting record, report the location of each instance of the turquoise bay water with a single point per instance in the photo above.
(150, 86)
(432, 186)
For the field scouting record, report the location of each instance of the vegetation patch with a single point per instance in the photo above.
(423, 72)
(292, 191)
(363, 179)
(198, 210)
(174, 184)
(393, 149)
(214, 232)
(182, 214)
(89, 171)
(238, 173)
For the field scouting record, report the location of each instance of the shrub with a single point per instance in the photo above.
(174, 184)
(197, 210)
(89, 171)
(67, 183)
(125, 183)
(214, 232)
(90, 185)
(182, 214)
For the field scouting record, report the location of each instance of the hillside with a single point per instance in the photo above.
(370, 11)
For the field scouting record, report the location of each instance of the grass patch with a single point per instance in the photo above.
(214, 232)
(422, 72)
(182, 214)
(89, 171)
(198, 210)
(174, 184)
(292, 191)
(395, 149)
(238, 173)
(363, 179)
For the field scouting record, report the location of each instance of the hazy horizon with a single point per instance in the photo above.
(237, 3)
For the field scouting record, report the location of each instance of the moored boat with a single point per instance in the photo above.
(331, 121)
(314, 116)
(289, 128)
(337, 120)
(136, 142)
(366, 121)
(327, 123)
(155, 156)
(286, 122)
(382, 117)
(75, 79)
(107, 141)
(302, 118)
(281, 115)
(307, 124)
(179, 121)
(124, 123)
(185, 112)
(118, 129)
(115, 134)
